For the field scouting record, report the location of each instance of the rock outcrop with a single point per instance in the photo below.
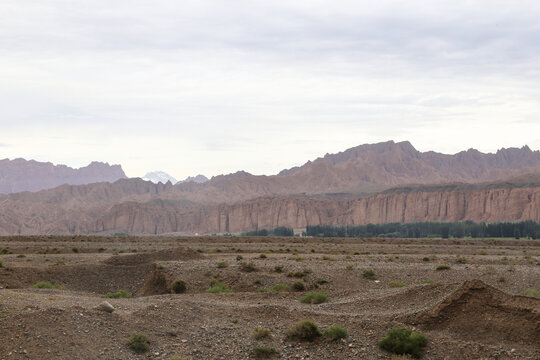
(21, 175)
(492, 205)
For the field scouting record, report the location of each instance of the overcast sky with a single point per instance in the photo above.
(212, 87)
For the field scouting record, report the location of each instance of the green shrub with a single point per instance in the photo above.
(369, 274)
(278, 268)
(176, 358)
(279, 288)
(48, 285)
(120, 294)
(335, 333)
(461, 260)
(1, 264)
(179, 287)
(501, 279)
(349, 267)
(321, 281)
(531, 293)
(425, 259)
(298, 286)
(315, 298)
(442, 267)
(403, 341)
(261, 333)
(222, 264)
(395, 284)
(262, 256)
(248, 267)
(262, 352)
(138, 343)
(218, 287)
(239, 257)
(304, 330)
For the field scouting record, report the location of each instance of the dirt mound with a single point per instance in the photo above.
(479, 312)
(157, 283)
(151, 257)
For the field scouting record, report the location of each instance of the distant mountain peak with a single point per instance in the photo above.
(159, 177)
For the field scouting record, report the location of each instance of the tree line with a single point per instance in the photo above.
(279, 231)
(526, 229)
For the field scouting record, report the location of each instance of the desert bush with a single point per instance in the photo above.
(349, 267)
(304, 330)
(176, 358)
(501, 279)
(335, 333)
(48, 285)
(425, 258)
(298, 286)
(248, 267)
(442, 267)
(315, 298)
(222, 264)
(395, 284)
(262, 352)
(178, 287)
(217, 286)
(261, 333)
(120, 294)
(278, 268)
(1, 264)
(403, 341)
(531, 293)
(369, 274)
(138, 343)
(321, 281)
(279, 288)
(461, 260)
(262, 256)
(239, 257)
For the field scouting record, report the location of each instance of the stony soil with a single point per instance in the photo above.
(471, 311)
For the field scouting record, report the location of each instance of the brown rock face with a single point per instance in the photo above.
(20, 175)
(503, 204)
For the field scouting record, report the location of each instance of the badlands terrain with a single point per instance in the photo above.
(471, 309)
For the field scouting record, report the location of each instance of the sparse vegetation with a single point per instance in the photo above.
(304, 330)
(261, 333)
(247, 267)
(369, 274)
(315, 298)
(278, 268)
(120, 294)
(279, 288)
(335, 333)
(403, 341)
(179, 287)
(349, 267)
(396, 284)
(298, 286)
(138, 343)
(264, 352)
(1, 264)
(531, 292)
(222, 264)
(442, 267)
(216, 286)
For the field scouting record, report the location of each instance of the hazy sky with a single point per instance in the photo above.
(216, 86)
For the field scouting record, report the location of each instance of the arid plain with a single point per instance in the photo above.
(471, 310)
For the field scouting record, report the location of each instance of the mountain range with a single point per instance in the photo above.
(21, 175)
(372, 183)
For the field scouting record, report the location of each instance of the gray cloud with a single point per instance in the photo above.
(292, 79)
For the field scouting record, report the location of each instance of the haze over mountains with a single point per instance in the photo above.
(351, 187)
